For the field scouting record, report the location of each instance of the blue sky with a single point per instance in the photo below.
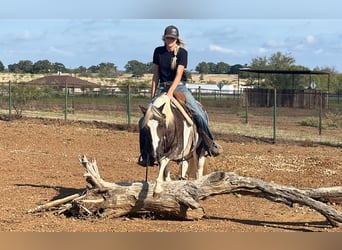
(82, 33)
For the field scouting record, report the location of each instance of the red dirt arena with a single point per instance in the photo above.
(40, 162)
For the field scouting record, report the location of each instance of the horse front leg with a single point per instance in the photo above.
(160, 179)
(167, 176)
(184, 169)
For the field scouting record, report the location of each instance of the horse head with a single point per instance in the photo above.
(159, 110)
(157, 123)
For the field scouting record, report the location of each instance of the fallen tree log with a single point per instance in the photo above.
(181, 198)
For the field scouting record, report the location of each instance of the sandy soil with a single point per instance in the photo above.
(39, 163)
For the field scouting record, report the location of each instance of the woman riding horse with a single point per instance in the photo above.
(169, 63)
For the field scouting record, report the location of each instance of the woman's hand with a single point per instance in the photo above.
(170, 93)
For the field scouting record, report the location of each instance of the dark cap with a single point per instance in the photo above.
(171, 31)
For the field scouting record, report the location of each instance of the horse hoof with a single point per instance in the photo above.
(156, 195)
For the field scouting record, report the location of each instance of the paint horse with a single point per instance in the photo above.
(171, 137)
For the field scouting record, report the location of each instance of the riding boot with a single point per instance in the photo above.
(213, 148)
(145, 161)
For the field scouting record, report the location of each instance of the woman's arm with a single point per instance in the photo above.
(155, 79)
(178, 77)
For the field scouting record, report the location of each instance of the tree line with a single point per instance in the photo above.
(136, 68)
(277, 60)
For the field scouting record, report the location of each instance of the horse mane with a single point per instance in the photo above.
(161, 101)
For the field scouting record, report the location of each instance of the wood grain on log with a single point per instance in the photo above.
(181, 198)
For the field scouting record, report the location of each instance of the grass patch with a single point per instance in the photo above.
(330, 121)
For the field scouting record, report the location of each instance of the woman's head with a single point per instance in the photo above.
(171, 33)
(172, 41)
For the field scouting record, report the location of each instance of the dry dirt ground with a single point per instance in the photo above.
(40, 163)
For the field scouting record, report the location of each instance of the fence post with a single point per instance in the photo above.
(129, 105)
(320, 114)
(9, 100)
(66, 101)
(275, 117)
(246, 108)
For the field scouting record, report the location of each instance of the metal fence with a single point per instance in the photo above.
(229, 113)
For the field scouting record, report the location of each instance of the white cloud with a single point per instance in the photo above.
(262, 50)
(222, 49)
(274, 44)
(298, 47)
(318, 51)
(54, 50)
(27, 35)
(310, 39)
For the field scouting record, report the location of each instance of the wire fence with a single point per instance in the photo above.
(236, 112)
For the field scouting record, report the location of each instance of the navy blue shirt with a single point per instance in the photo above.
(163, 59)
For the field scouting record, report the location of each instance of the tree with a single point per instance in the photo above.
(136, 68)
(58, 67)
(80, 70)
(338, 86)
(23, 66)
(222, 68)
(278, 61)
(107, 70)
(202, 68)
(259, 63)
(211, 68)
(149, 67)
(22, 95)
(235, 69)
(93, 69)
(188, 76)
(2, 67)
(42, 67)
(322, 81)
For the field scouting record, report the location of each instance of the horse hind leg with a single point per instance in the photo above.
(184, 169)
(200, 166)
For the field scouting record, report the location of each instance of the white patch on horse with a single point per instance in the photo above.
(187, 138)
(162, 175)
(164, 99)
(153, 124)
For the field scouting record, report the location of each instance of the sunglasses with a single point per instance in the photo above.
(170, 38)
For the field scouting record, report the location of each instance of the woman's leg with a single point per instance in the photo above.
(198, 113)
(201, 120)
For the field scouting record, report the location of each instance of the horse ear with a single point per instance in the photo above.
(158, 112)
(160, 109)
(143, 109)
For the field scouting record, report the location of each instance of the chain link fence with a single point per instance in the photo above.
(307, 116)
